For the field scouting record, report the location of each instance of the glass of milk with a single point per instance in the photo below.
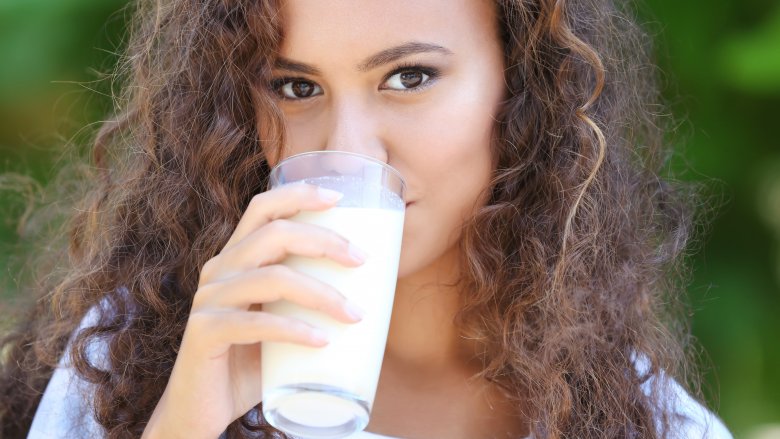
(328, 392)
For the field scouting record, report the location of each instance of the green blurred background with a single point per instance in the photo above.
(721, 65)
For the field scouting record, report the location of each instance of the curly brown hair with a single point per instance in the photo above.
(571, 269)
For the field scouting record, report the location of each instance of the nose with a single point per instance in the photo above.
(355, 127)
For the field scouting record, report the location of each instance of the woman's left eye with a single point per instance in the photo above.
(409, 79)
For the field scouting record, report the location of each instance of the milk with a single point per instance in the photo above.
(351, 362)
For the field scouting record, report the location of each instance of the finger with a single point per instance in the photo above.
(213, 332)
(273, 283)
(282, 202)
(274, 242)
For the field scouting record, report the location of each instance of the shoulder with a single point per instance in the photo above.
(689, 418)
(65, 409)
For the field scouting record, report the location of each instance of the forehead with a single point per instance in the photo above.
(352, 28)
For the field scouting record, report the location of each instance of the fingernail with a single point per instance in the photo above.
(353, 311)
(319, 336)
(357, 254)
(328, 195)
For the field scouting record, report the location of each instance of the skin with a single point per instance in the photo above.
(438, 135)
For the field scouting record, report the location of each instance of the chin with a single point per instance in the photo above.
(414, 261)
(407, 266)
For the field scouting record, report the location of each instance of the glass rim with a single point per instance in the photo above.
(392, 170)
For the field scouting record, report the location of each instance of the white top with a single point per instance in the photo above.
(66, 407)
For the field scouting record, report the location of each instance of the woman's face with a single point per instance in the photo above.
(413, 83)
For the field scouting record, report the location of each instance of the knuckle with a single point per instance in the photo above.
(339, 242)
(333, 294)
(298, 327)
(200, 322)
(208, 269)
(267, 279)
(256, 201)
(278, 226)
(202, 295)
(321, 294)
(305, 190)
(279, 328)
(263, 320)
(277, 272)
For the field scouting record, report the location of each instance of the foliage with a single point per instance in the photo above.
(721, 69)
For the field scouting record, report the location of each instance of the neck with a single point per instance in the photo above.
(428, 368)
(422, 334)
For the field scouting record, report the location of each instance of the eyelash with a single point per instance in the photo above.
(432, 73)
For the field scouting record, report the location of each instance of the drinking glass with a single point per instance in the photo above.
(328, 392)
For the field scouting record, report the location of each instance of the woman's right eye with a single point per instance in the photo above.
(293, 89)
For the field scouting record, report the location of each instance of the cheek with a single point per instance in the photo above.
(452, 143)
(455, 127)
(450, 162)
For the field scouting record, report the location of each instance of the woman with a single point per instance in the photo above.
(538, 250)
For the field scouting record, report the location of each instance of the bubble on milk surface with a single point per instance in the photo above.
(358, 192)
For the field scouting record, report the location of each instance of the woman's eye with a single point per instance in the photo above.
(407, 80)
(295, 89)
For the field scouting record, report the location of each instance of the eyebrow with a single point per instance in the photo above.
(384, 57)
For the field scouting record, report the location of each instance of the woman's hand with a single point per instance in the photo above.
(216, 377)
